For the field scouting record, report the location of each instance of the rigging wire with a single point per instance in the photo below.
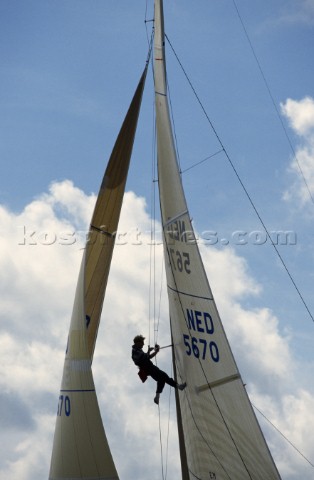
(242, 184)
(273, 102)
(202, 161)
(204, 373)
(164, 474)
(161, 449)
(152, 273)
(251, 201)
(287, 439)
(159, 300)
(152, 280)
(209, 388)
(151, 309)
(168, 426)
(264, 226)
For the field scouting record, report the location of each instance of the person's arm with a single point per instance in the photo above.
(156, 350)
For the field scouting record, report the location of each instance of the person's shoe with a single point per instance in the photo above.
(156, 399)
(182, 386)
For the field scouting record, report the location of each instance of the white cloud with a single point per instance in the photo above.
(299, 12)
(38, 280)
(300, 115)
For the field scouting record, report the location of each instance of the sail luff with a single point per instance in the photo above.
(80, 448)
(222, 436)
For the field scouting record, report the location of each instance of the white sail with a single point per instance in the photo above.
(105, 218)
(80, 448)
(219, 435)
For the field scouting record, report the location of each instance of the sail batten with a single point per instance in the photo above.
(218, 383)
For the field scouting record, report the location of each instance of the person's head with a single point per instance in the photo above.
(139, 340)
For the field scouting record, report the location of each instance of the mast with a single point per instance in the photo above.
(164, 130)
(80, 447)
(221, 436)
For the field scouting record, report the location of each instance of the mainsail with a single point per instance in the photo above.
(220, 437)
(80, 448)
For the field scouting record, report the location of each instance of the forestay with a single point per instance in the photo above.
(221, 436)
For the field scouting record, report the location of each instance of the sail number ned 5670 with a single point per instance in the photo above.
(201, 347)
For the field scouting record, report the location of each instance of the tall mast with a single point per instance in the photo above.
(166, 149)
(218, 431)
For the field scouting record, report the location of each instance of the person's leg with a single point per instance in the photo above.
(161, 378)
(169, 381)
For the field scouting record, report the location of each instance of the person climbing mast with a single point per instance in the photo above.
(147, 368)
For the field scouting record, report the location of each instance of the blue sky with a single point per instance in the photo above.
(68, 71)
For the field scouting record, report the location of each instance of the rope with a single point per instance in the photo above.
(243, 186)
(202, 161)
(204, 373)
(168, 424)
(287, 440)
(273, 102)
(281, 259)
(266, 230)
(161, 450)
(152, 272)
(152, 245)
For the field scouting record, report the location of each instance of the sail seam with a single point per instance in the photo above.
(100, 230)
(188, 294)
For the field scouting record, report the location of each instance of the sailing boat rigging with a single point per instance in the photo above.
(219, 435)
